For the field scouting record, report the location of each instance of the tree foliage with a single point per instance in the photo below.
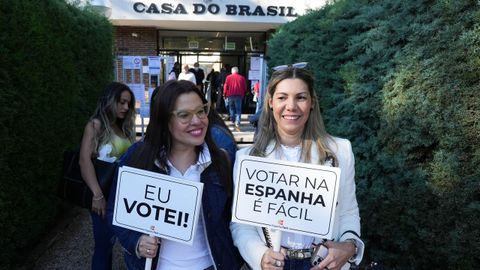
(400, 79)
(54, 60)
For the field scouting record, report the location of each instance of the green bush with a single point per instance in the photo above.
(55, 59)
(400, 79)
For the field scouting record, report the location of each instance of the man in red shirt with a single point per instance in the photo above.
(234, 90)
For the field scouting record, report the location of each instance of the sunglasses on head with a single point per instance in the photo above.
(296, 65)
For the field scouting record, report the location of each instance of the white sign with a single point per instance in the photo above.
(193, 11)
(157, 204)
(290, 196)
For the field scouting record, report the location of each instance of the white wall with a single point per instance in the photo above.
(232, 15)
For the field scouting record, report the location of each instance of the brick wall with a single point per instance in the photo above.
(135, 41)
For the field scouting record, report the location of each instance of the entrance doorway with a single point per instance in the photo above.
(214, 50)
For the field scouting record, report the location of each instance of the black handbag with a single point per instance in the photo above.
(74, 189)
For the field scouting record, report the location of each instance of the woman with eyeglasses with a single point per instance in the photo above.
(178, 143)
(291, 128)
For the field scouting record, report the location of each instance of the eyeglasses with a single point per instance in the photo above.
(296, 65)
(185, 116)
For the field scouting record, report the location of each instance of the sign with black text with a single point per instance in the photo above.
(157, 204)
(289, 196)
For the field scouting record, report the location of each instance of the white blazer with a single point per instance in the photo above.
(250, 240)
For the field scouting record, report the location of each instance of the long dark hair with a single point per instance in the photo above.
(158, 138)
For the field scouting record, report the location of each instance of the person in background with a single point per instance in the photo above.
(221, 101)
(222, 135)
(253, 119)
(107, 135)
(256, 96)
(178, 143)
(212, 80)
(187, 75)
(199, 75)
(173, 74)
(234, 90)
(291, 128)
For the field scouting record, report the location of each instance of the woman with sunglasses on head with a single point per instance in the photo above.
(291, 128)
(107, 135)
(177, 142)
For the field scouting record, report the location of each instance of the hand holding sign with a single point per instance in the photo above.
(148, 247)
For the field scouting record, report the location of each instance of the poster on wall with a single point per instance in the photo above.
(256, 72)
(255, 63)
(254, 75)
(154, 66)
(132, 62)
(138, 90)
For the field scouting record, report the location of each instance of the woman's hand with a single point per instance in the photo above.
(99, 205)
(272, 260)
(338, 255)
(148, 246)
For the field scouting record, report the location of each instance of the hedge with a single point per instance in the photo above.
(401, 79)
(55, 59)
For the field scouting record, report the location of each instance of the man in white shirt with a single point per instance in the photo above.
(187, 75)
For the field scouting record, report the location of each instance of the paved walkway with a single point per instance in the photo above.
(69, 245)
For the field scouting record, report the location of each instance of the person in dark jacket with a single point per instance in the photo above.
(222, 135)
(221, 102)
(178, 143)
(199, 75)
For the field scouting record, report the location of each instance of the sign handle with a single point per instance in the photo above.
(276, 236)
(148, 262)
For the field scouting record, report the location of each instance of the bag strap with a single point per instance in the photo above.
(268, 238)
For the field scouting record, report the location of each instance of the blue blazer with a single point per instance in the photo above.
(216, 206)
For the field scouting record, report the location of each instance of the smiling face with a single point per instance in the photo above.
(291, 104)
(123, 104)
(191, 133)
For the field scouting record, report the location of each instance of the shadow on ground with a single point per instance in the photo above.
(69, 245)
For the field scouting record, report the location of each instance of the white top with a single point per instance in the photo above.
(180, 256)
(293, 240)
(250, 240)
(187, 77)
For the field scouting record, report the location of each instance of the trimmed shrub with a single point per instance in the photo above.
(400, 79)
(55, 60)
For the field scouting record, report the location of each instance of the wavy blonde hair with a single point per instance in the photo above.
(106, 113)
(314, 133)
